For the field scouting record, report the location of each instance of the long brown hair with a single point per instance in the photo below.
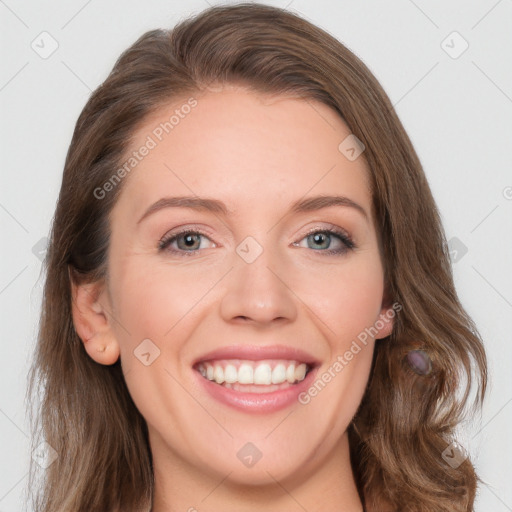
(83, 410)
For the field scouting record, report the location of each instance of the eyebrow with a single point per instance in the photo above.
(215, 206)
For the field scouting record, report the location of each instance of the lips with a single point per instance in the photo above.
(255, 378)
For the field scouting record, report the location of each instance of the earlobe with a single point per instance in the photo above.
(89, 306)
(385, 323)
(386, 319)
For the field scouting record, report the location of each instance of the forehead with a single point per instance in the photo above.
(244, 148)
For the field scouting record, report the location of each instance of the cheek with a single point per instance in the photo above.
(152, 299)
(346, 298)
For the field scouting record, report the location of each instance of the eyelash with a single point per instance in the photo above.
(340, 234)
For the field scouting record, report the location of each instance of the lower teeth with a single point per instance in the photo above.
(256, 388)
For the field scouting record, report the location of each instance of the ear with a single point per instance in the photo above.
(386, 320)
(90, 307)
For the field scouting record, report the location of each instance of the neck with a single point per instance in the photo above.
(321, 484)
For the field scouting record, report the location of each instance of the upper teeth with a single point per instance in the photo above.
(253, 372)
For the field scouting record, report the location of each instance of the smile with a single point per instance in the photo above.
(255, 378)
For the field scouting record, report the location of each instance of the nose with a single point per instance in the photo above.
(257, 292)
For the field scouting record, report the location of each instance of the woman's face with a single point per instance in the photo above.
(257, 290)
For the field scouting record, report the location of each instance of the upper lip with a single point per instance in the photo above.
(257, 352)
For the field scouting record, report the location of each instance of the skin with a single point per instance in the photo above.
(257, 154)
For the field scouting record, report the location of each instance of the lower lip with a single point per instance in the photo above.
(257, 402)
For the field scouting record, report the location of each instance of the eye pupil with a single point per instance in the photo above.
(319, 238)
(190, 240)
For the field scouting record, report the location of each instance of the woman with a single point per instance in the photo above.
(249, 302)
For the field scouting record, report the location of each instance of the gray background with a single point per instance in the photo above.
(457, 112)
